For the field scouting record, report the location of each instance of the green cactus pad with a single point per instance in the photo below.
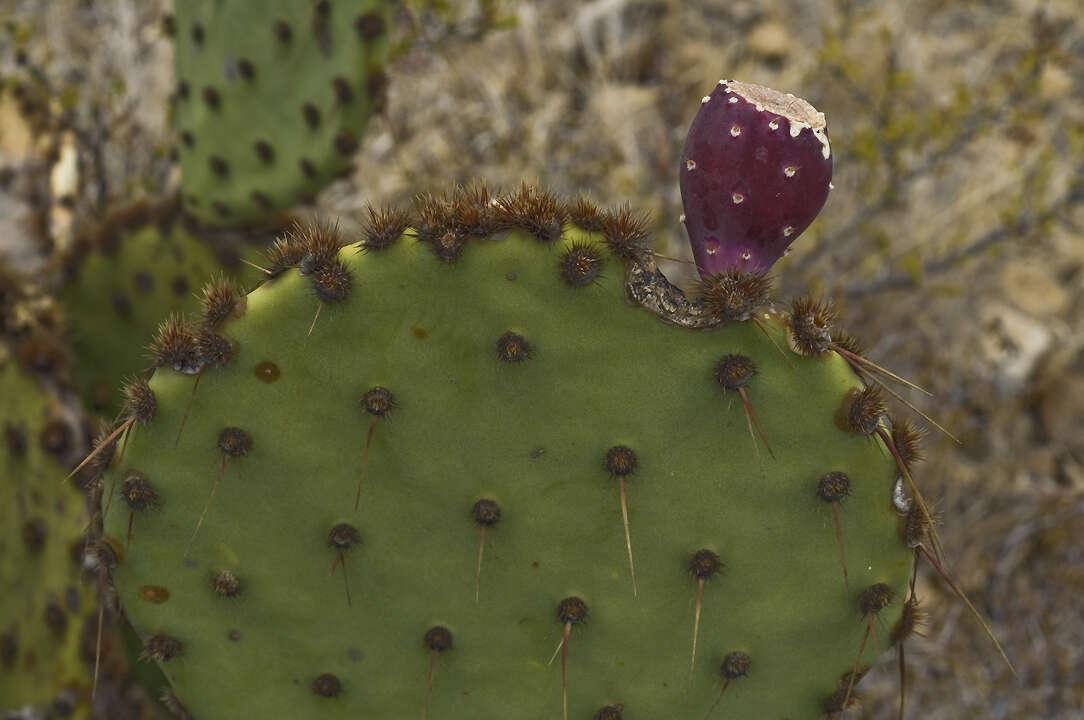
(44, 603)
(272, 99)
(511, 379)
(127, 282)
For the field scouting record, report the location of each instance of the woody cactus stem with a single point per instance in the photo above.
(755, 171)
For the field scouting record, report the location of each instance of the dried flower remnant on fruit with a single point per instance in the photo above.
(754, 173)
(735, 295)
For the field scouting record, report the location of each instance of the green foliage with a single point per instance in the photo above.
(272, 99)
(592, 372)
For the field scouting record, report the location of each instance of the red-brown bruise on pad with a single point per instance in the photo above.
(755, 171)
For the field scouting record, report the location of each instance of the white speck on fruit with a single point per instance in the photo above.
(747, 255)
(690, 164)
(788, 231)
(737, 198)
(790, 171)
(682, 218)
(735, 131)
(705, 99)
(773, 124)
(733, 100)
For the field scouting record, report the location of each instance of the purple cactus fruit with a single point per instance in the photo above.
(755, 171)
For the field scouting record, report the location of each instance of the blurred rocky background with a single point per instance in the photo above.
(953, 240)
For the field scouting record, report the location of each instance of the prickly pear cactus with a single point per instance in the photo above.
(506, 478)
(126, 275)
(44, 603)
(272, 99)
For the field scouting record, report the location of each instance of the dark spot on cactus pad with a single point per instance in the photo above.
(585, 214)
(331, 281)
(55, 617)
(42, 355)
(486, 512)
(862, 410)
(155, 594)
(218, 165)
(343, 92)
(370, 26)
(703, 564)
(261, 199)
(378, 401)
(833, 487)
(376, 88)
(246, 69)
(327, 685)
(33, 534)
(234, 635)
(580, 264)
(186, 139)
(343, 536)
(225, 584)
(735, 665)
(182, 90)
(438, 638)
(734, 371)
(264, 151)
(810, 326)
(9, 647)
(620, 460)
(383, 228)
(625, 233)
(161, 647)
(311, 115)
(221, 208)
(55, 438)
(308, 167)
(267, 371)
(610, 712)
(139, 400)
(734, 295)
(513, 348)
(15, 439)
(179, 285)
(137, 491)
(174, 345)
(282, 31)
(197, 33)
(211, 97)
(143, 282)
(345, 142)
(572, 610)
(875, 598)
(419, 333)
(234, 442)
(169, 25)
(907, 439)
